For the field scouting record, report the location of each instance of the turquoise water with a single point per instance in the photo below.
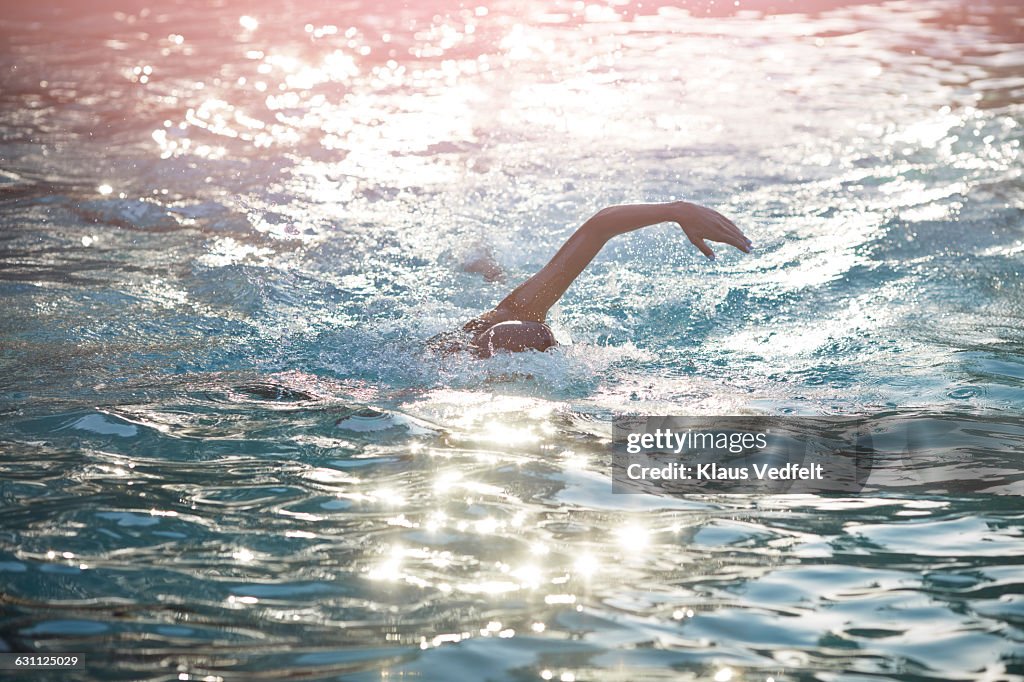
(226, 233)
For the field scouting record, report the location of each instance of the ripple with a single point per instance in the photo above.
(974, 536)
(964, 393)
(225, 236)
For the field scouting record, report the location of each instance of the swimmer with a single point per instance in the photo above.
(518, 322)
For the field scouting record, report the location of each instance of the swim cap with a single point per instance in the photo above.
(514, 336)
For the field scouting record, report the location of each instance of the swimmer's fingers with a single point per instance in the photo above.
(730, 234)
(702, 223)
(699, 230)
(739, 240)
(702, 245)
(739, 233)
(732, 228)
(715, 227)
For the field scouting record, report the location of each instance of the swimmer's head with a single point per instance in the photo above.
(513, 336)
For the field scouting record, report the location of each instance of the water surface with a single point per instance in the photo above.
(226, 232)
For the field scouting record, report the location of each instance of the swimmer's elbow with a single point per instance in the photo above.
(601, 226)
(602, 217)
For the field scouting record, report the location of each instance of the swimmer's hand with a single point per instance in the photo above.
(702, 223)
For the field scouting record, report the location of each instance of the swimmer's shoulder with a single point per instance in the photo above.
(458, 340)
(451, 341)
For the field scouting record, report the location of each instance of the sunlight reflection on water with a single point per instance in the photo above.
(227, 232)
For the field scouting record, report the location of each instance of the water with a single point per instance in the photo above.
(227, 232)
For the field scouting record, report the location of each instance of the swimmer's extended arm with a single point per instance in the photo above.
(532, 299)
